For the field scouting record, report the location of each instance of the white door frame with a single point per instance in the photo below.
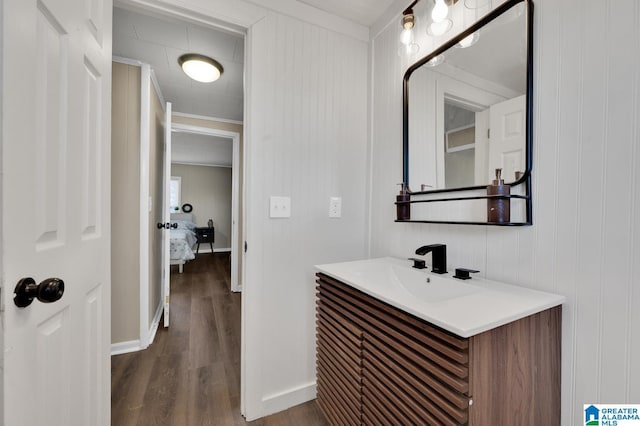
(147, 80)
(145, 282)
(166, 214)
(465, 95)
(236, 285)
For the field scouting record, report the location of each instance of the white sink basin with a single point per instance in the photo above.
(430, 287)
(465, 308)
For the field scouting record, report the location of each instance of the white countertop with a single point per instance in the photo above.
(463, 307)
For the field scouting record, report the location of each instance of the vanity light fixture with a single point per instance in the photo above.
(439, 24)
(408, 21)
(200, 67)
(440, 11)
(406, 36)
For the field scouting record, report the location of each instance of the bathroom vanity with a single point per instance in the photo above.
(397, 345)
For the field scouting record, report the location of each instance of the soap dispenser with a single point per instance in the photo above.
(403, 210)
(498, 209)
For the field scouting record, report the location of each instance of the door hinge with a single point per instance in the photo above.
(245, 246)
(488, 133)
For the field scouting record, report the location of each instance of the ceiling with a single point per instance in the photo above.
(192, 148)
(364, 12)
(159, 41)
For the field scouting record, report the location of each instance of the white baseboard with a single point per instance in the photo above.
(207, 249)
(289, 398)
(134, 345)
(125, 347)
(155, 323)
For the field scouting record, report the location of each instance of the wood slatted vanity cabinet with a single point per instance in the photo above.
(378, 365)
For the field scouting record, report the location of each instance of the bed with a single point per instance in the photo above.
(182, 240)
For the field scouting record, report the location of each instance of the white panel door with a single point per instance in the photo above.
(507, 144)
(166, 215)
(56, 104)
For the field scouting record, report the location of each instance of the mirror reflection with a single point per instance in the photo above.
(467, 109)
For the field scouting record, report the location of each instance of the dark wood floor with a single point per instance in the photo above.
(190, 375)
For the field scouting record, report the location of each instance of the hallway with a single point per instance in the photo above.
(190, 375)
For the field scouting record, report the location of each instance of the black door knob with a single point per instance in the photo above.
(47, 291)
(160, 225)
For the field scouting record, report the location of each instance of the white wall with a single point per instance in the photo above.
(306, 139)
(585, 241)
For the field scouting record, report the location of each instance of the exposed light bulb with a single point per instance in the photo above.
(440, 11)
(439, 28)
(406, 36)
(408, 22)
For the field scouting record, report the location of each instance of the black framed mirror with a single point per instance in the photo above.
(467, 110)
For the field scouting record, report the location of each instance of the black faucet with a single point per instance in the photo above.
(438, 257)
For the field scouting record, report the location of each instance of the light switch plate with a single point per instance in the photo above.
(335, 207)
(279, 207)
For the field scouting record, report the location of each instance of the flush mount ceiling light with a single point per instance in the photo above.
(200, 68)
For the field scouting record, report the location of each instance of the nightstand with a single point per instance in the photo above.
(205, 235)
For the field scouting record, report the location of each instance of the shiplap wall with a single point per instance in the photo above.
(306, 139)
(585, 241)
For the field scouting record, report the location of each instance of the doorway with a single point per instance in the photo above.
(200, 146)
(214, 111)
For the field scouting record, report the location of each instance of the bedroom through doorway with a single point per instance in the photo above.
(205, 191)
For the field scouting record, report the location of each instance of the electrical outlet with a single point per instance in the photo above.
(279, 207)
(335, 207)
